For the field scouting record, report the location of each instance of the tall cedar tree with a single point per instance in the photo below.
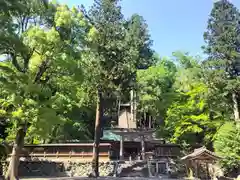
(110, 52)
(223, 49)
(139, 38)
(120, 47)
(139, 49)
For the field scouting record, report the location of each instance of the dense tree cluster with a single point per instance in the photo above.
(62, 69)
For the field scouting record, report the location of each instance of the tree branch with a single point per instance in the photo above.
(82, 9)
(15, 63)
(42, 69)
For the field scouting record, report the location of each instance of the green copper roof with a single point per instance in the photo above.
(108, 135)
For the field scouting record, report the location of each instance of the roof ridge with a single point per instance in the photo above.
(199, 151)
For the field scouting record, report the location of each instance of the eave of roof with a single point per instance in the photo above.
(200, 151)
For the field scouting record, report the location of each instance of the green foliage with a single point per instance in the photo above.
(110, 55)
(139, 42)
(227, 145)
(119, 47)
(42, 86)
(187, 115)
(188, 118)
(222, 39)
(154, 86)
(221, 74)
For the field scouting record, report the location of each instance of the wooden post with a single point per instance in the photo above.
(121, 151)
(144, 120)
(207, 170)
(150, 122)
(143, 147)
(133, 107)
(149, 169)
(196, 169)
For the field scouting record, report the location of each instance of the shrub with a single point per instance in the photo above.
(227, 145)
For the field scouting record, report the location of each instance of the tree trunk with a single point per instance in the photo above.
(12, 173)
(97, 134)
(235, 107)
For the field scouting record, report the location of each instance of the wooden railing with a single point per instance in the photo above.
(62, 155)
(64, 151)
(84, 157)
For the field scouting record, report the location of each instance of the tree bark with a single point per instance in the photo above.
(12, 173)
(97, 134)
(235, 107)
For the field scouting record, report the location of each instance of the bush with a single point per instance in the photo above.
(227, 145)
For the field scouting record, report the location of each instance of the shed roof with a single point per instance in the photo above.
(201, 154)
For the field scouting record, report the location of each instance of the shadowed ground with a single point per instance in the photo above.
(101, 178)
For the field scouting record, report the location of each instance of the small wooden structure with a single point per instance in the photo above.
(197, 163)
